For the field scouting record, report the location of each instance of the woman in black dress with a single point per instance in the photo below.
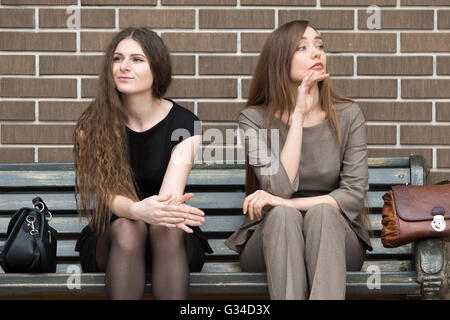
(133, 152)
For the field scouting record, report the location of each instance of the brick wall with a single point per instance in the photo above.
(399, 74)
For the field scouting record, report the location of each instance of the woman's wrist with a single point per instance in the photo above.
(286, 202)
(133, 211)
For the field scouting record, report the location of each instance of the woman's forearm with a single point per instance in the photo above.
(292, 150)
(304, 204)
(122, 207)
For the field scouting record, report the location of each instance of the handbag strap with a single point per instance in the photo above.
(39, 204)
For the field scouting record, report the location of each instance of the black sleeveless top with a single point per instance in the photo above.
(150, 152)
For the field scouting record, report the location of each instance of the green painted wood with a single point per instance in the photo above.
(200, 283)
(64, 202)
(388, 162)
(203, 177)
(66, 250)
(220, 223)
(234, 266)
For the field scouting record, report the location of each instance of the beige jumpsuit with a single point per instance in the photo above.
(306, 254)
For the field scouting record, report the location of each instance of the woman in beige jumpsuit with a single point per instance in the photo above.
(306, 186)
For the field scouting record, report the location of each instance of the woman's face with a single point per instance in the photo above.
(131, 68)
(309, 52)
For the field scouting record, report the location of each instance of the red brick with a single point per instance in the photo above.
(381, 134)
(319, 19)
(203, 88)
(241, 65)
(425, 134)
(399, 19)
(157, 18)
(396, 111)
(38, 87)
(200, 42)
(237, 19)
(16, 18)
(17, 110)
(443, 158)
(366, 88)
(219, 111)
(17, 65)
(12, 155)
(425, 88)
(407, 65)
(425, 42)
(35, 134)
(37, 41)
(443, 111)
(360, 42)
(55, 154)
(61, 110)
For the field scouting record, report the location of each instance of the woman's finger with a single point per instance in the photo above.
(168, 225)
(192, 223)
(185, 228)
(173, 220)
(246, 202)
(193, 210)
(183, 198)
(194, 217)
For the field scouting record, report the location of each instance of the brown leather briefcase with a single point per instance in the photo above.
(411, 213)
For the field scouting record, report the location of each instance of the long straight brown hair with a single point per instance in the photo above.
(101, 151)
(271, 85)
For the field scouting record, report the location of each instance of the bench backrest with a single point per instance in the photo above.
(219, 191)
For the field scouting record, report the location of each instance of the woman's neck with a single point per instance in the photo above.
(141, 108)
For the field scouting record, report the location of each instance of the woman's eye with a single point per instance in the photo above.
(320, 46)
(116, 58)
(137, 59)
(300, 48)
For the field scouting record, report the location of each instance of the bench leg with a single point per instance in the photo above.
(431, 260)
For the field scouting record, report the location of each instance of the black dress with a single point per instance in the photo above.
(150, 153)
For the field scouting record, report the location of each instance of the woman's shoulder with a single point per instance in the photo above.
(181, 112)
(183, 118)
(348, 110)
(256, 113)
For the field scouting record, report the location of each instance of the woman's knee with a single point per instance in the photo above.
(128, 235)
(167, 239)
(282, 214)
(324, 213)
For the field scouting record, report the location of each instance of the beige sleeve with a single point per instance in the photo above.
(266, 163)
(354, 176)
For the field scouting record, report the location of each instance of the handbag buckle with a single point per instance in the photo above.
(438, 224)
(50, 216)
(30, 224)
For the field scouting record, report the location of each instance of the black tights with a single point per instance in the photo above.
(121, 255)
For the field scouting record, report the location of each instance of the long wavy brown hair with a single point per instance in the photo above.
(271, 87)
(101, 151)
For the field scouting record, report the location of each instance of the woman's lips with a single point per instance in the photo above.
(317, 66)
(124, 78)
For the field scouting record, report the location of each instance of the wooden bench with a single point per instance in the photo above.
(411, 271)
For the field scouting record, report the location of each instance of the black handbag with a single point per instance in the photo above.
(31, 243)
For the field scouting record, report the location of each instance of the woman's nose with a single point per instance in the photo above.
(315, 52)
(124, 65)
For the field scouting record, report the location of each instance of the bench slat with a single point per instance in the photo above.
(220, 223)
(66, 249)
(204, 177)
(234, 266)
(212, 283)
(65, 201)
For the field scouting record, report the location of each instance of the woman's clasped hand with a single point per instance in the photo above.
(164, 211)
(255, 203)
